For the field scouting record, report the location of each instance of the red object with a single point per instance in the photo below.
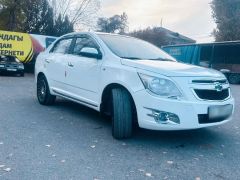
(37, 47)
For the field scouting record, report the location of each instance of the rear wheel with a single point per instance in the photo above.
(234, 78)
(122, 113)
(43, 92)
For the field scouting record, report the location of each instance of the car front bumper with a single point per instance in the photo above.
(188, 112)
(11, 71)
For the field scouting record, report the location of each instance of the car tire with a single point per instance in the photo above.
(122, 114)
(22, 74)
(43, 93)
(234, 78)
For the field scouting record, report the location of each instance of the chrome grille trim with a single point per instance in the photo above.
(205, 81)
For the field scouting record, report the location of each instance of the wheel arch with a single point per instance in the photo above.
(41, 74)
(106, 98)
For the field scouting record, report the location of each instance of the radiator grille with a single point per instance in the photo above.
(212, 94)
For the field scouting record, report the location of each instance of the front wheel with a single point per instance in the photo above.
(43, 92)
(234, 78)
(122, 113)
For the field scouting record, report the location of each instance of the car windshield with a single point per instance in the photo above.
(135, 49)
(8, 59)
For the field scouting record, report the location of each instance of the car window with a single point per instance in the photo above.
(62, 46)
(81, 43)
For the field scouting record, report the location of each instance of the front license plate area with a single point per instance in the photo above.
(220, 112)
(14, 70)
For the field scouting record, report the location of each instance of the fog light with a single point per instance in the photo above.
(163, 117)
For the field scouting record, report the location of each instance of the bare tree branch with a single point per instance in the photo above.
(79, 12)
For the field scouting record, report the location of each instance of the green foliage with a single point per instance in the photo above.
(11, 15)
(153, 35)
(32, 16)
(62, 26)
(38, 17)
(226, 14)
(114, 24)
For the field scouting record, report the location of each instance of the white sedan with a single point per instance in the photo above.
(132, 81)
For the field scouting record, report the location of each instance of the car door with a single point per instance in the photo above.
(56, 63)
(83, 70)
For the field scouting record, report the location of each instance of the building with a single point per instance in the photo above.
(222, 56)
(174, 38)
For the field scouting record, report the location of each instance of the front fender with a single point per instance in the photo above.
(126, 77)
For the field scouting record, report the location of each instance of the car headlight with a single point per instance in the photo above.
(21, 66)
(161, 86)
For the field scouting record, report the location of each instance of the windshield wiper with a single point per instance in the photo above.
(133, 58)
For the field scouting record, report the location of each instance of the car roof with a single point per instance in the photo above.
(94, 33)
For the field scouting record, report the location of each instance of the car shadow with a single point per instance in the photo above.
(82, 111)
(9, 75)
(205, 138)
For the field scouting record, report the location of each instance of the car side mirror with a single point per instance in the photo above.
(91, 53)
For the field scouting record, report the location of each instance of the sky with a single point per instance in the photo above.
(191, 18)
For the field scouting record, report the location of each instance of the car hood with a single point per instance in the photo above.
(172, 69)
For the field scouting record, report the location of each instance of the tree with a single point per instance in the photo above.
(38, 17)
(226, 14)
(62, 26)
(32, 16)
(80, 13)
(153, 35)
(114, 24)
(11, 15)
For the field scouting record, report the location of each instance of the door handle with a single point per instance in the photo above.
(70, 64)
(47, 61)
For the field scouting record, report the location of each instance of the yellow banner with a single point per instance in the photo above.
(16, 44)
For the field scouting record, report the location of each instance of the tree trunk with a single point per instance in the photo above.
(12, 17)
